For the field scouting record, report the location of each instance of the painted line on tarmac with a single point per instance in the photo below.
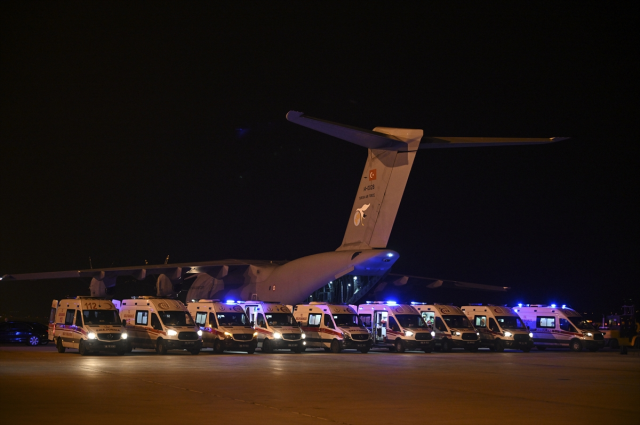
(220, 396)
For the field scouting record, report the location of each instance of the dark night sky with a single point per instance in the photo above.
(129, 132)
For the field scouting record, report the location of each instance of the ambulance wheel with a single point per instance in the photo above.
(195, 351)
(33, 341)
(161, 347)
(59, 346)
(335, 346)
(541, 347)
(82, 349)
(400, 348)
(499, 346)
(446, 346)
(575, 345)
(266, 346)
(364, 350)
(217, 347)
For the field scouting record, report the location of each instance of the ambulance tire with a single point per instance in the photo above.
(499, 347)
(161, 347)
(59, 346)
(335, 346)
(33, 341)
(217, 347)
(82, 349)
(446, 346)
(400, 348)
(541, 347)
(266, 346)
(575, 345)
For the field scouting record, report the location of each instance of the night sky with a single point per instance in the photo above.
(130, 132)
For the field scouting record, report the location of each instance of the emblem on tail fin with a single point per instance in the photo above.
(360, 215)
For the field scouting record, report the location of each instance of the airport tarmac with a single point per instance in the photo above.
(38, 384)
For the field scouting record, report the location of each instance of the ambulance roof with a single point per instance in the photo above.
(158, 303)
(440, 308)
(493, 309)
(217, 306)
(393, 307)
(333, 308)
(88, 303)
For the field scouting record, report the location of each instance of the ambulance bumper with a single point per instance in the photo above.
(283, 344)
(174, 344)
(419, 345)
(97, 345)
(233, 345)
(459, 343)
(518, 345)
(350, 344)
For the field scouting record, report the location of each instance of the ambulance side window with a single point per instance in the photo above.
(393, 325)
(142, 317)
(78, 318)
(260, 321)
(314, 320)
(201, 318)
(480, 322)
(155, 322)
(440, 325)
(493, 325)
(328, 322)
(565, 325)
(366, 320)
(68, 319)
(212, 321)
(546, 322)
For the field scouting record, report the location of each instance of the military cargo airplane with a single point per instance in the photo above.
(363, 252)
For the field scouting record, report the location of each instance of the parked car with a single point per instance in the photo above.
(30, 333)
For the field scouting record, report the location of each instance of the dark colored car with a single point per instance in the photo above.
(30, 333)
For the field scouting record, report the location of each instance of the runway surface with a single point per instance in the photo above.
(39, 384)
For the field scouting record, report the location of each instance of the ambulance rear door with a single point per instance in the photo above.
(380, 318)
(52, 320)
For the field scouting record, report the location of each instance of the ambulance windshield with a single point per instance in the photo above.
(176, 318)
(232, 319)
(580, 323)
(280, 319)
(411, 321)
(510, 322)
(346, 320)
(457, 321)
(101, 317)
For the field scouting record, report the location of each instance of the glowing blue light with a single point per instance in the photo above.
(391, 302)
(519, 304)
(230, 301)
(389, 255)
(553, 306)
(564, 306)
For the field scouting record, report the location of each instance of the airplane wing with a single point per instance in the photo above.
(470, 142)
(400, 279)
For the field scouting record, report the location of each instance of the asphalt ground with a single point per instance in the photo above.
(38, 384)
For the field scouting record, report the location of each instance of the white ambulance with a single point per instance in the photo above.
(89, 324)
(333, 327)
(451, 327)
(559, 327)
(276, 327)
(398, 327)
(499, 328)
(225, 326)
(160, 323)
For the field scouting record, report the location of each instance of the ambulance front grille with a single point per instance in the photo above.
(243, 337)
(360, 337)
(598, 337)
(521, 337)
(190, 336)
(468, 336)
(423, 336)
(290, 337)
(109, 337)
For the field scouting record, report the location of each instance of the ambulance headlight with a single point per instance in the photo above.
(303, 336)
(227, 335)
(457, 333)
(171, 332)
(92, 335)
(124, 335)
(433, 334)
(478, 333)
(277, 335)
(589, 334)
(408, 333)
(199, 333)
(531, 335)
(255, 334)
(508, 334)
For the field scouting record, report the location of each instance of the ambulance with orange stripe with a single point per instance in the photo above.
(499, 327)
(334, 327)
(450, 325)
(277, 329)
(160, 323)
(88, 324)
(398, 327)
(224, 326)
(551, 326)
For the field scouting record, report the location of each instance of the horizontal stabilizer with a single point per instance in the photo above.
(470, 142)
(442, 283)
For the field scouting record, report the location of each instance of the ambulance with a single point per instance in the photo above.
(225, 326)
(451, 327)
(160, 323)
(88, 324)
(334, 327)
(398, 327)
(277, 329)
(559, 327)
(499, 328)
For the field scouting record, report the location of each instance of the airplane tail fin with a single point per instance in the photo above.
(389, 160)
